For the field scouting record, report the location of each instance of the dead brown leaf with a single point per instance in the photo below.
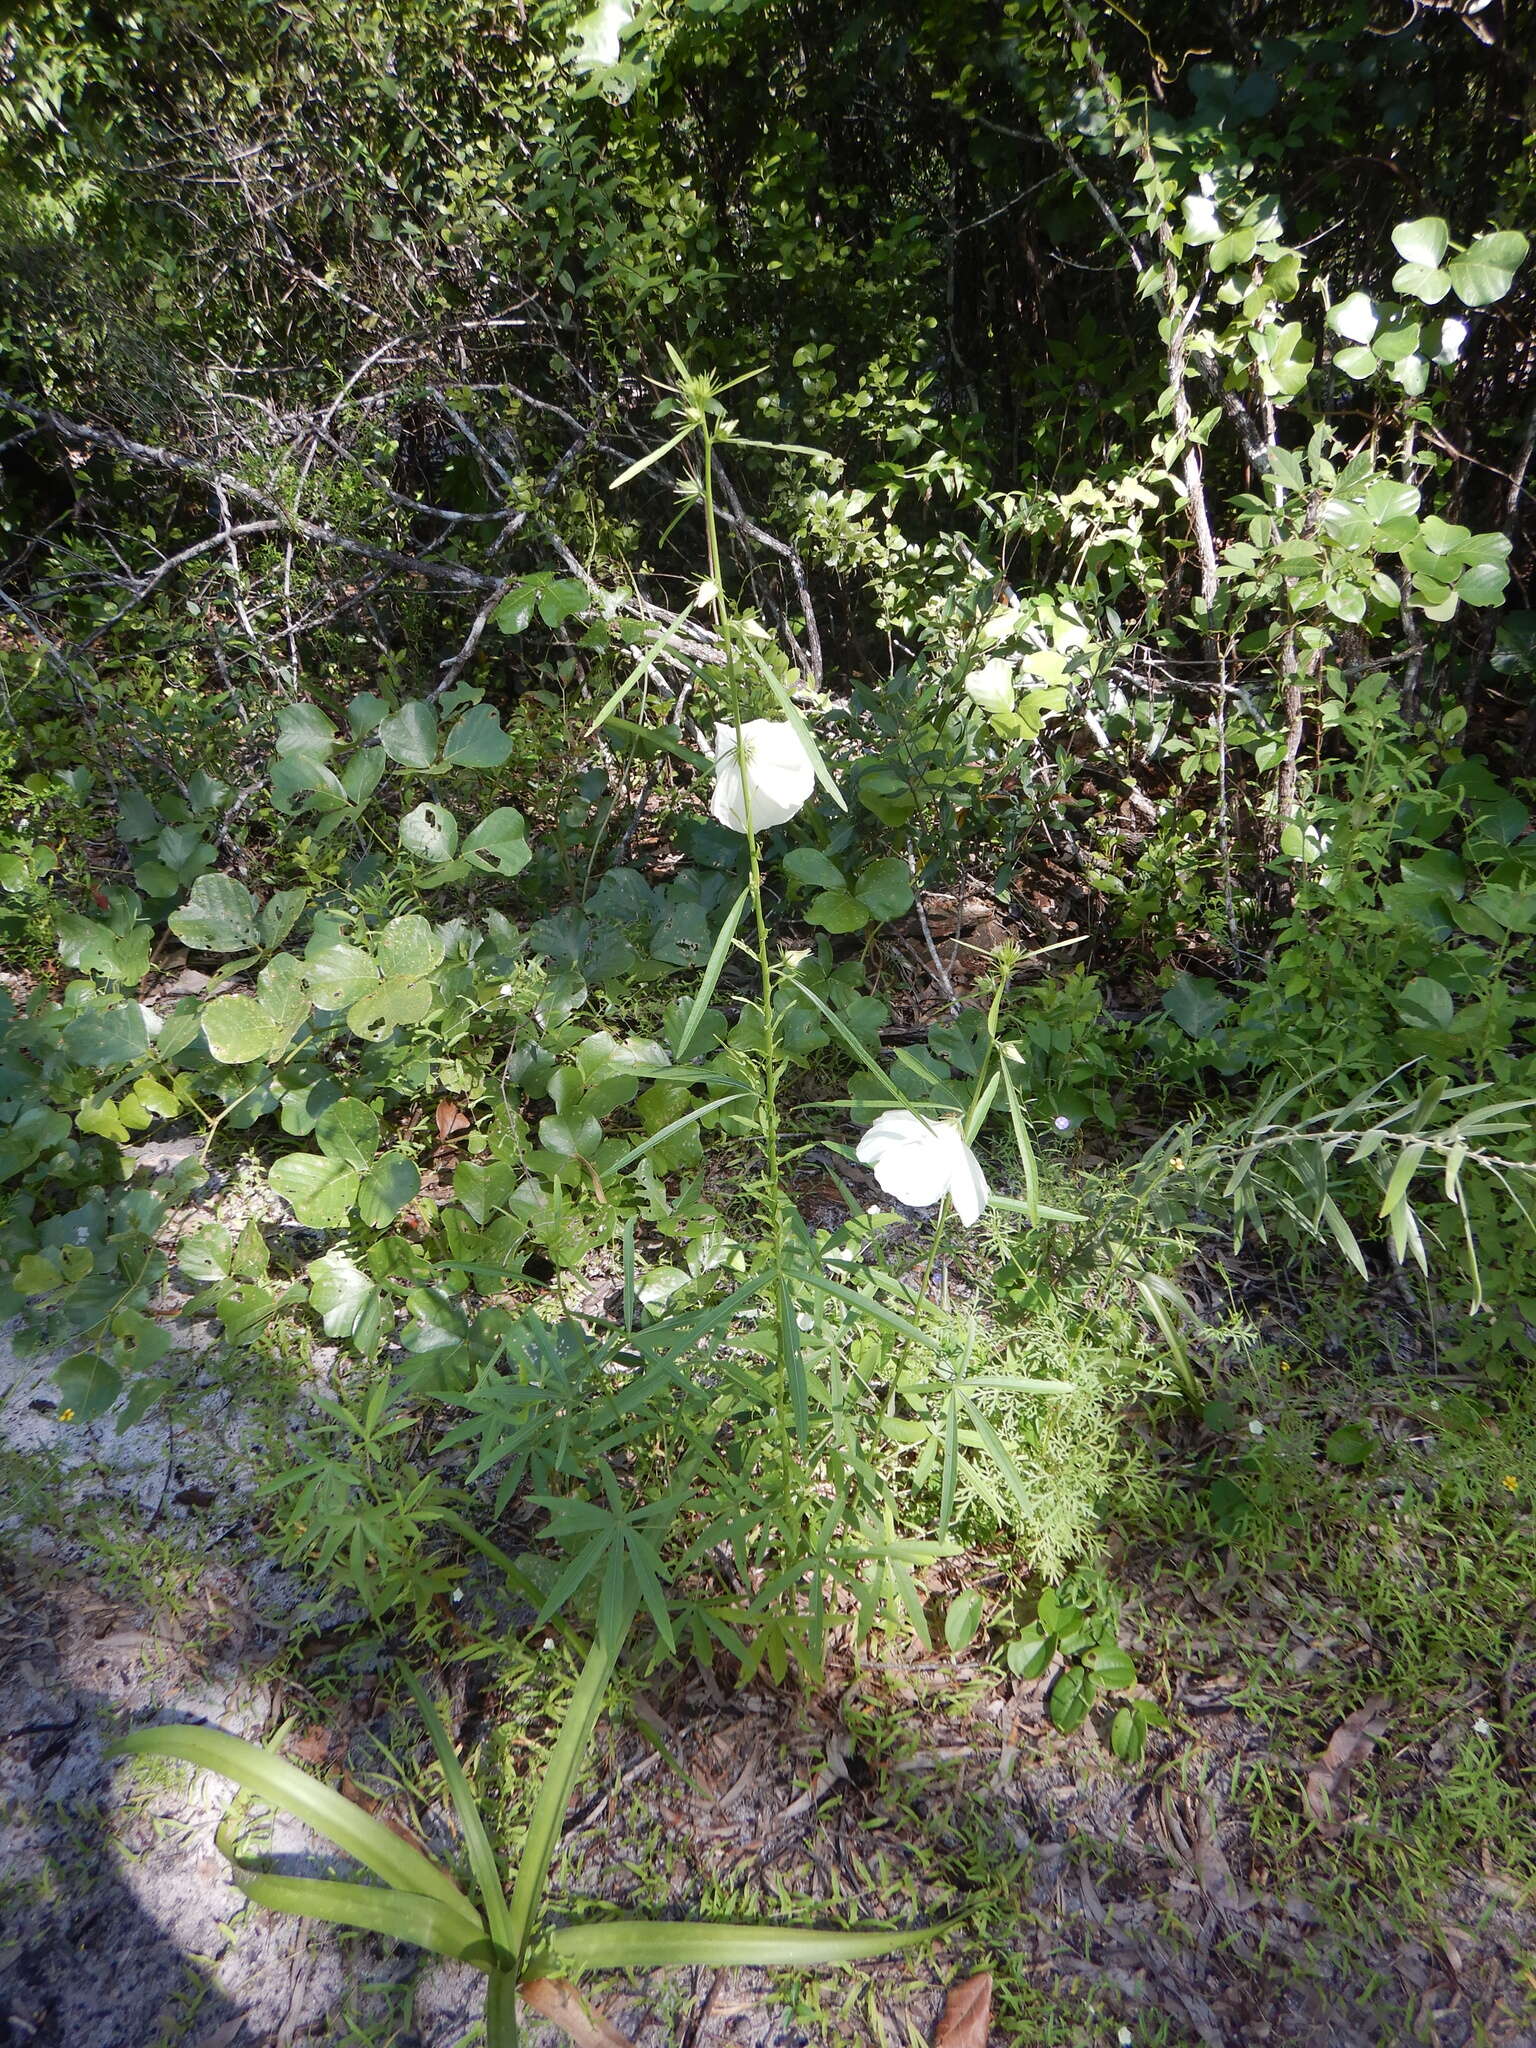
(449, 1118)
(967, 2014)
(562, 2005)
(1328, 1780)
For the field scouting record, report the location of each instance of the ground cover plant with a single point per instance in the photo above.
(764, 780)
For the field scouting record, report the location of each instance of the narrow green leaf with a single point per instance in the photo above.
(794, 1363)
(642, 667)
(560, 1775)
(680, 1123)
(656, 455)
(482, 1857)
(1021, 1137)
(866, 1304)
(1344, 1237)
(1397, 1187)
(713, 969)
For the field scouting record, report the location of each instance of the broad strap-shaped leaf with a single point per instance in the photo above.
(661, 1944)
(454, 1931)
(340, 1821)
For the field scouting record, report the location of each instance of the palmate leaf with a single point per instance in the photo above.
(355, 1833)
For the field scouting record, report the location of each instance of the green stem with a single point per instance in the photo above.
(768, 1108)
(501, 2010)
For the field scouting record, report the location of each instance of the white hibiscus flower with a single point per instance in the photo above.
(771, 767)
(920, 1159)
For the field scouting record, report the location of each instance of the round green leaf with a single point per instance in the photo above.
(812, 867)
(389, 1185)
(88, 1385)
(1356, 318)
(1422, 241)
(1413, 375)
(238, 1029)
(962, 1620)
(1350, 1444)
(1356, 362)
(408, 947)
(1111, 1667)
(107, 1039)
(1202, 223)
(1195, 1004)
(1484, 583)
(219, 916)
(836, 911)
(1397, 341)
(1385, 500)
(335, 976)
(477, 741)
(572, 1137)
(1128, 1736)
(319, 1191)
(1350, 525)
(1422, 282)
(515, 612)
(885, 888)
(1029, 1656)
(348, 1131)
(1070, 1698)
(1426, 1004)
(1487, 270)
(409, 736)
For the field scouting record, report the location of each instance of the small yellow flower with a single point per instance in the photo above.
(1176, 1164)
(1286, 1366)
(66, 1415)
(1511, 1482)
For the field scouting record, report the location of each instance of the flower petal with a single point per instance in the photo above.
(918, 1160)
(968, 1188)
(770, 771)
(728, 802)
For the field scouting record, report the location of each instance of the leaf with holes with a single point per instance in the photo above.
(337, 975)
(431, 832)
(499, 843)
(219, 916)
